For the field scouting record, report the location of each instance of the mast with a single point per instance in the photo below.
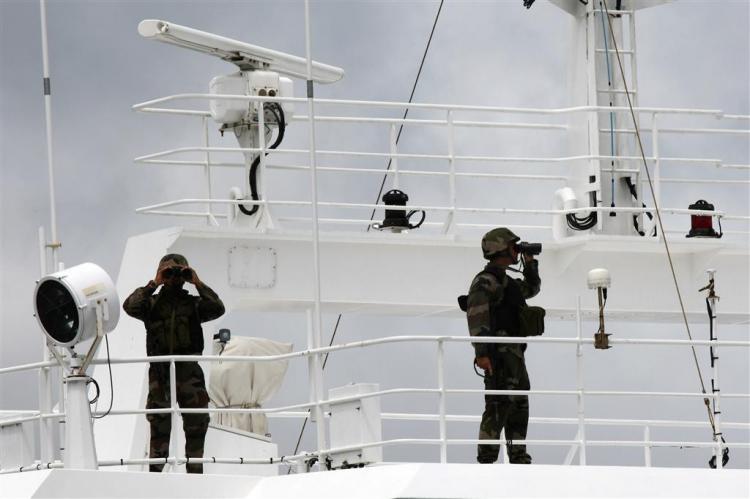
(595, 80)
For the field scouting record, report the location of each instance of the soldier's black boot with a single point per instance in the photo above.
(517, 456)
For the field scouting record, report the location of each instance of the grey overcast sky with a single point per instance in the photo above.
(691, 54)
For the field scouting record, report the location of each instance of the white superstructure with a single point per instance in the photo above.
(306, 256)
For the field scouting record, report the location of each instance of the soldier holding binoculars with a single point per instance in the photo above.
(173, 326)
(496, 306)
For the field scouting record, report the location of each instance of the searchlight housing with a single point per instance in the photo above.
(76, 304)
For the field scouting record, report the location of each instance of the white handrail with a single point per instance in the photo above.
(444, 107)
(441, 391)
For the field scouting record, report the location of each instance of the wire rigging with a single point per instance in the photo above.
(659, 220)
(111, 385)
(380, 191)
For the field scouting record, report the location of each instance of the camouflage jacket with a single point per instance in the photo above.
(489, 312)
(173, 318)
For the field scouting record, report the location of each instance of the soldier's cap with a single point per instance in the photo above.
(496, 241)
(174, 257)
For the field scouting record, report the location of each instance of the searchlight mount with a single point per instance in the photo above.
(73, 306)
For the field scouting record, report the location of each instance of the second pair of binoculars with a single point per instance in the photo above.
(184, 272)
(529, 248)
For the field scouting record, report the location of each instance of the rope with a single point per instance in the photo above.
(659, 219)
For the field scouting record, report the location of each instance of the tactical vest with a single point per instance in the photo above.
(506, 314)
(173, 326)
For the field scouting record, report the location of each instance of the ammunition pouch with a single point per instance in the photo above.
(463, 302)
(531, 321)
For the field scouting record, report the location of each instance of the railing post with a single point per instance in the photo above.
(173, 450)
(579, 386)
(657, 164)
(210, 220)
(393, 146)
(450, 221)
(441, 387)
(315, 385)
(647, 446)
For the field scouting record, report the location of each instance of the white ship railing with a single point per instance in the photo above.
(448, 224)
(580, 443)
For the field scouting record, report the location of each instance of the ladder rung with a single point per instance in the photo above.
(615, 91)
(626, 52)
(613, 11)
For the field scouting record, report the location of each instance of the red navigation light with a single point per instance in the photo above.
(701, 225)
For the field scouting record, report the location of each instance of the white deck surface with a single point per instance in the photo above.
(397, 480)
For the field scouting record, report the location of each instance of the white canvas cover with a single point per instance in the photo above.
(246, 384)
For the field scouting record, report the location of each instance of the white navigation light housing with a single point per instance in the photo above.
(66, 304)
(599, 278)
(244, 55)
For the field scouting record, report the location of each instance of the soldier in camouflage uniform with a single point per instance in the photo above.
(493, 309)
(173, 326)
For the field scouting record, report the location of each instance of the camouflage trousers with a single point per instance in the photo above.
(191, 393)
(509, 412)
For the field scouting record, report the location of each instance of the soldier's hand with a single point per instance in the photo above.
(484, 363)
(193, 278)
(159, 279)
(527, 258)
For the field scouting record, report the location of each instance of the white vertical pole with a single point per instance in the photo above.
(315, 386)
(210, 220)
(579, 385)
(55, 244)
(647, 447)
(657, 164)
(592, 99)
(441, 387)
(63, 406)
(394, 159)
(46, 449)
(317, 322)
(452, 170)
(173, 450)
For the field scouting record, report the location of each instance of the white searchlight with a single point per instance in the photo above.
(76, 304)
(72, 306)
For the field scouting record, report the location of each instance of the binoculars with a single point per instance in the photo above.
(183, 272)
(529, 248)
